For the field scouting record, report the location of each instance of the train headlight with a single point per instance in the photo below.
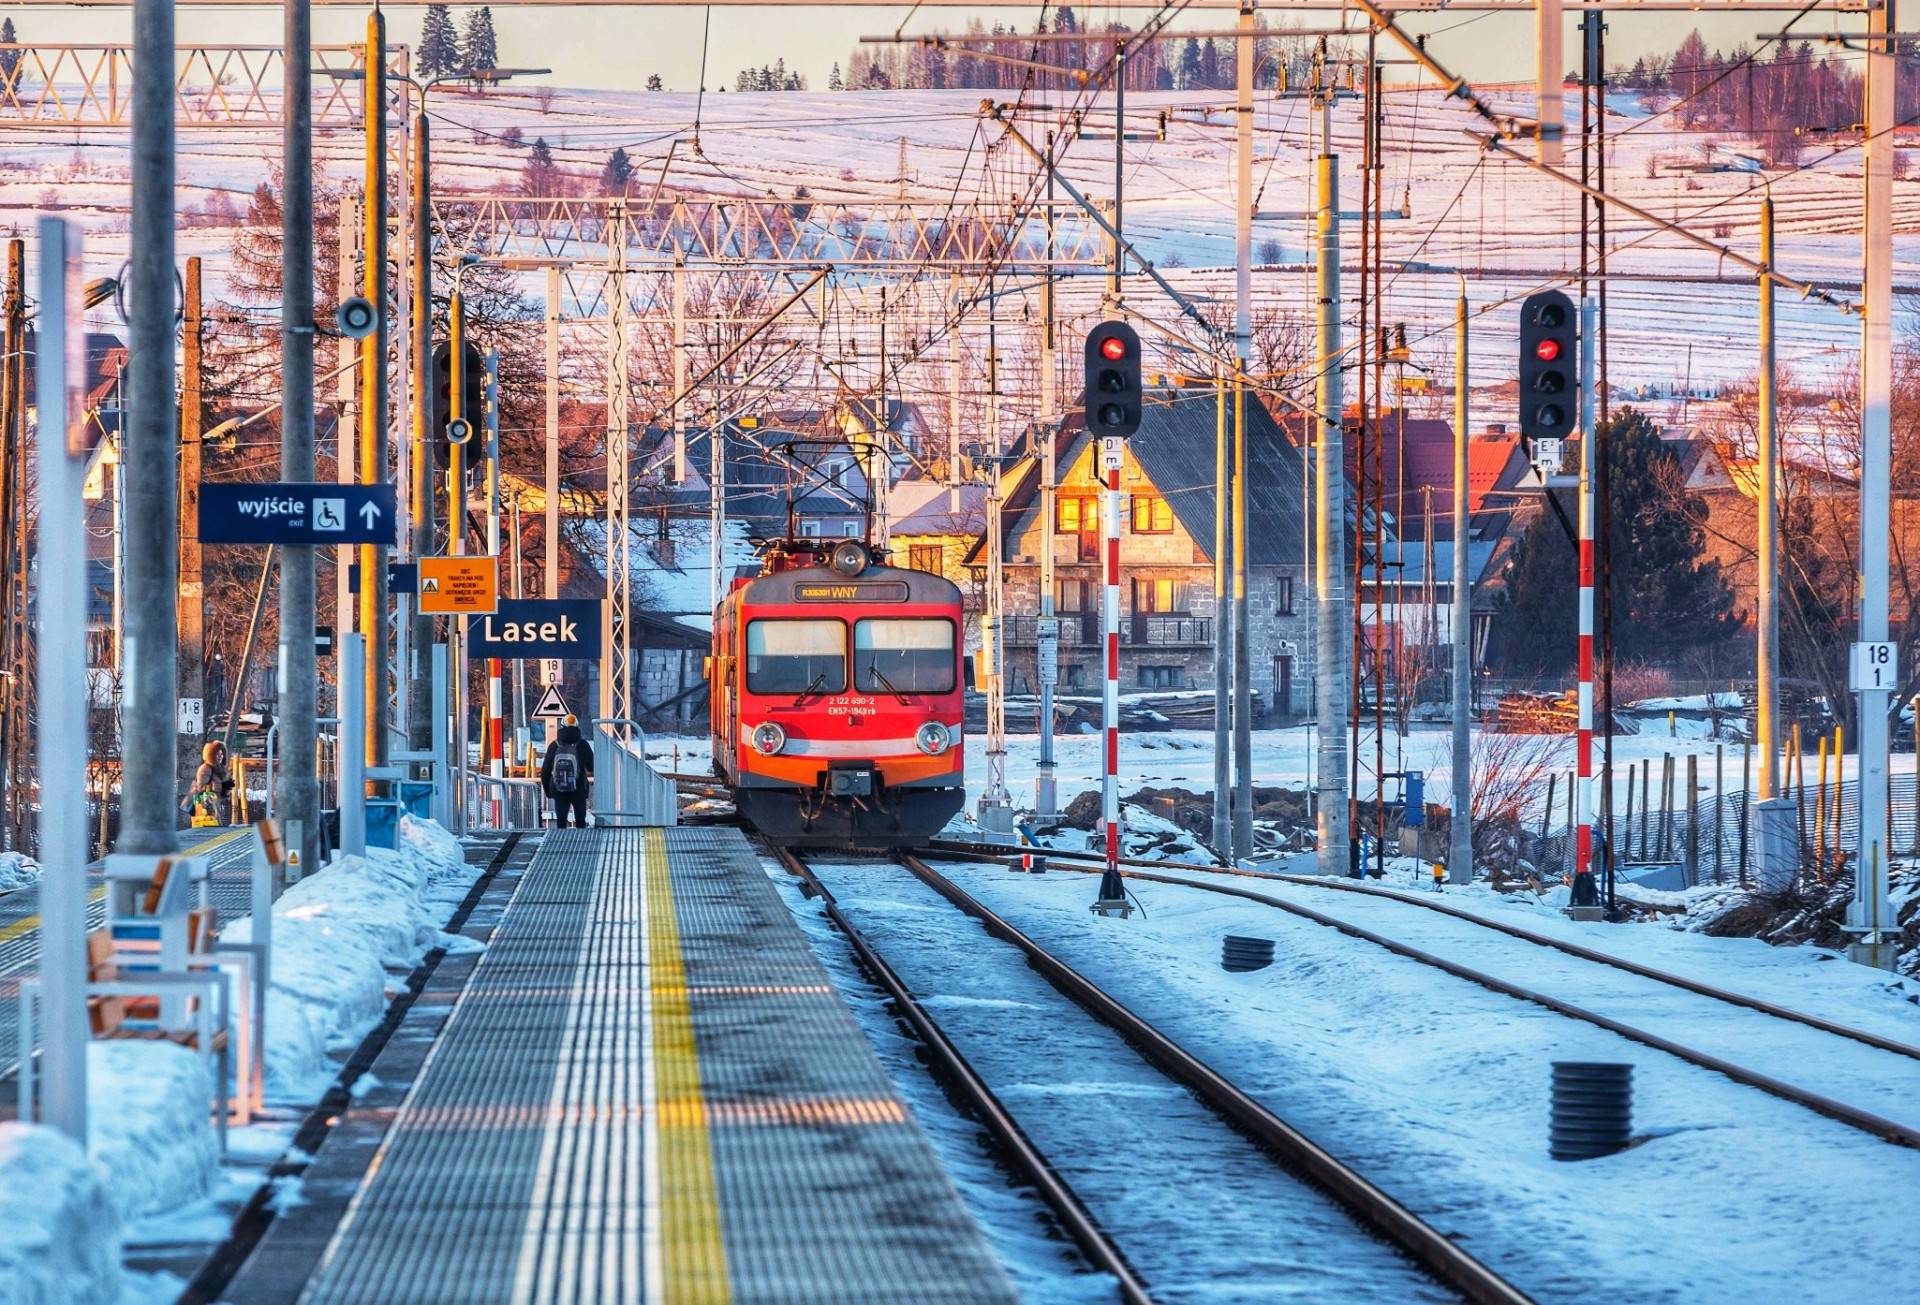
(933, 738)
(768, 738)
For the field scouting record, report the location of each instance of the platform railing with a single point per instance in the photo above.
(627, 792)
(498, 802)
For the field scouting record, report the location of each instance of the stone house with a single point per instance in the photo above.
(1166, 557)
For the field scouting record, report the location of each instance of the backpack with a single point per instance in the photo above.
(566, 771)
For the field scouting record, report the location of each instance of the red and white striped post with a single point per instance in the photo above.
(1113, 892)
(1584, 893)
(496, 738)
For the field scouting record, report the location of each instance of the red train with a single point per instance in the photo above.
(837, 698)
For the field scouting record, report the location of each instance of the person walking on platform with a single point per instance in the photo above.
(210, 801)
(566, 773)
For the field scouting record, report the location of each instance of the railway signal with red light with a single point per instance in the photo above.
(1113, 380)
(473, 399)
(1549, 352)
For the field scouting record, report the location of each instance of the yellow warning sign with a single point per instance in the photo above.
(459, 586)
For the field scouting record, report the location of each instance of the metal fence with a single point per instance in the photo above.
(490, 802)
(1715, 843)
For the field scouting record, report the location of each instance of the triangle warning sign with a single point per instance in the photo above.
(430, 585)
(551, 707)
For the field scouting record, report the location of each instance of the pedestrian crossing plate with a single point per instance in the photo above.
(551, 707)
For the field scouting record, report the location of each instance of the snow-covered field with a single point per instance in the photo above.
(1505, 227)
(1438, 1089)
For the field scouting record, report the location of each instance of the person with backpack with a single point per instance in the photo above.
(566, 773)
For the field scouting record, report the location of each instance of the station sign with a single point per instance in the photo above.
(459, 586)
(296, 512)
(529, 629)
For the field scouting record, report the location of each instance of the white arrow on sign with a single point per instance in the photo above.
(551, 707)
(369, 513)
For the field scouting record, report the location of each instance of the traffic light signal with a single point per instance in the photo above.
(1113, 380)
(1549, 362)
(473, 397)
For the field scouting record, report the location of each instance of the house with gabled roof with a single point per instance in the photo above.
(1167, 628)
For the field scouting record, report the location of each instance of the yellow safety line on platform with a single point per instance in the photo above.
(695, 1258)
(29, 923)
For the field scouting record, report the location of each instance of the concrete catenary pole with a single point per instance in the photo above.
(1243, 353)
(1330, 538)
(299, 797)
(149, 795)
(62, 677)
(1460, 844)
(1766, 699)
(420, 724)
(373, 388)
(1871, 915)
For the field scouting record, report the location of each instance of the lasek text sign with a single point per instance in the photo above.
(531, 628)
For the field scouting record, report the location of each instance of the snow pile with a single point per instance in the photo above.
(17, 870)
(59, 1227)
(336, 934)
(151, 1131)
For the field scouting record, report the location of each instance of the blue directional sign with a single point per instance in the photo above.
(527, 628)
(296, 513)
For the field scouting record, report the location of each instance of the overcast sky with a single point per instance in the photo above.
(608, 48)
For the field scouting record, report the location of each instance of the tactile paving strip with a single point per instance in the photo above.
(784, 1166)
(512, 1171)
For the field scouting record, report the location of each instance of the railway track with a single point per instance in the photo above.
(1867, 1121)
(1363, 1203)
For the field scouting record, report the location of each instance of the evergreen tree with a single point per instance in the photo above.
(654, 83)
(9, 59)
(615, 177)
(541, 175)
(1667, 598)
(439, 51)
(833, 78)
(1189, 77)
(478, 48)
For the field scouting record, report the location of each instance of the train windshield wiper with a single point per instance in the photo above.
(887, 684)
(818, 681)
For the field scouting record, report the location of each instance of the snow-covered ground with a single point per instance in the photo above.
(17, 870)
(1506, 227)
(1438, 1089)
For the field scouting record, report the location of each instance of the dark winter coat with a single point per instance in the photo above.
(569, 738)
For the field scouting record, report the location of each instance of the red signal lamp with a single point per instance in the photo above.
(1547, 350)
(1113, 348)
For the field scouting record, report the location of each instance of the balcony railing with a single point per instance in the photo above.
(1143, 630)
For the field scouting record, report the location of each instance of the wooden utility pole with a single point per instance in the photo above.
(190, 602)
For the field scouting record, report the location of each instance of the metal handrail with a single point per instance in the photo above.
(626, 790)
(501, 802)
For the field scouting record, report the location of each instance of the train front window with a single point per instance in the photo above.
(798, 657)
(900, 655)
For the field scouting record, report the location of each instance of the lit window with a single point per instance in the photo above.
(1152, 515)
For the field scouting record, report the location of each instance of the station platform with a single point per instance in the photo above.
(644, 1088)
